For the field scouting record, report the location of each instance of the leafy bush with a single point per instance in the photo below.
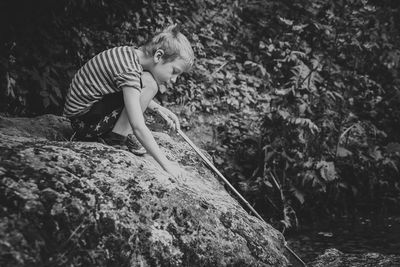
(309, 88)
(321, 79)
(328, 108)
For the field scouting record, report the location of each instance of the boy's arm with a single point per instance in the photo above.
(169, 116)
(153, 105)
(143, 134)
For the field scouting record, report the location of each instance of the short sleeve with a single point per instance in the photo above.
(128, 79)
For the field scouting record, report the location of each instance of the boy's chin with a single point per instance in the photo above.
(162, 88)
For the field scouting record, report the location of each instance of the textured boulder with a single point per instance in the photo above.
(335, 258)
(69, 203)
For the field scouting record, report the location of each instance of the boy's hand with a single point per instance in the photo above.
(170, 117)
(175, 170)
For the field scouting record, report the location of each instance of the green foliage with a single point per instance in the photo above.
(332, 87)
(310, 89)
(321, 79)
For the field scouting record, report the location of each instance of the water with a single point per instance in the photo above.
(363, 237)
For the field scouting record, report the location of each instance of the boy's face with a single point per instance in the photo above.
(167, 72)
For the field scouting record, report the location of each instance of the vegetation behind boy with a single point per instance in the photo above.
(108, 95)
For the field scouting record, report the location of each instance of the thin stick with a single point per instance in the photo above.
(217, 172)
(205, 159)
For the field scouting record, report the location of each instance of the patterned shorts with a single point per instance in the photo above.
(100, 119)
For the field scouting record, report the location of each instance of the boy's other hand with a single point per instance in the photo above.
(170, 117)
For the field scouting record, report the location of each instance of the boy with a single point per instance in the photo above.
(108, 95)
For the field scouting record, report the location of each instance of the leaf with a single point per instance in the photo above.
(299, 195)
(393, 148)
(304, 122)
(354, 190)
(54, 100)
(376, 154)
(268, 155)
(327, 170)
(302, 108)
(343, 152)
(268, 184)
(301, 137)
(283, 91)
(57, 209)
(299, 27)
(391, 164)
(343, 185)
(218, 160)
(286, 21)
(284, 114)
(44, 93)
(56, 89)
(86, 41)
(298, 54)
(46, 102)
(10, 85)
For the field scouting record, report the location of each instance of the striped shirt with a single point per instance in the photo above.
(106, 73)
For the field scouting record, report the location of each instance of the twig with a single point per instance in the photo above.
(342, 135)
(219, 68)
(308, 75)
(72, 137)
(63, 245)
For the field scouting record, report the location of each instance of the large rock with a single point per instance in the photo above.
(69, 203)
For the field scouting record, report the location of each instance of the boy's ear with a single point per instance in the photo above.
(158, 55)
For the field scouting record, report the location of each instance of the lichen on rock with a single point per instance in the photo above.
(67, 203)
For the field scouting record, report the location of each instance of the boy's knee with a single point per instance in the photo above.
(148, 81)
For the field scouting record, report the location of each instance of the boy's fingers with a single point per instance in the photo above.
(171, 118)
(173, 124)
(177, 124)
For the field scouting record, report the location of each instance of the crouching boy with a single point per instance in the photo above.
(108, 95)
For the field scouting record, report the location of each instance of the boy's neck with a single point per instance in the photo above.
(145, 61)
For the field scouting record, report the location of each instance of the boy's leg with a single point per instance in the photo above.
(122, 127)
(149, 90)
(108, 122)
(100, 119)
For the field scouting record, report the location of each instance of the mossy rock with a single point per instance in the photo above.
(67, 203)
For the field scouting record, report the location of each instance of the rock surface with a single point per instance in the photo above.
(69, 203)
(335, 258)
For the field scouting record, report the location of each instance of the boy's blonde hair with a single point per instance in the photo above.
(173, 43)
